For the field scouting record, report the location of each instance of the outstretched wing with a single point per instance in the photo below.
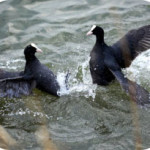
(137, 93)
(16, 87)
(133, 43)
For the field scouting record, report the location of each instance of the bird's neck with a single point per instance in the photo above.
(100, 39)
(100, 43)
(30, 58)
(99, 46)
(30, 64)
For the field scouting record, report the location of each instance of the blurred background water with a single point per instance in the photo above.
(87, 117)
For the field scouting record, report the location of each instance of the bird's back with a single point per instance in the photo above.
(7, 74)
(45, 78)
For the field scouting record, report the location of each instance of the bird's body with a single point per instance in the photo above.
(44, 77)
(119, 55)
(101, 75)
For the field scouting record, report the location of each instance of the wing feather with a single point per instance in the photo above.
(133, 43)
(16, 87)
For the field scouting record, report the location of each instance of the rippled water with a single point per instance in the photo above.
(87, 117)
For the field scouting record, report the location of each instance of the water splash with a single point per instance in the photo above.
(61, 77)
(27, 111)
(80, 81)
(2, 1)
(147, 0)
(139, 70)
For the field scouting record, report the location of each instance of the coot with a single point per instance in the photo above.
(44, 77)
(35, 75)
(106, 61)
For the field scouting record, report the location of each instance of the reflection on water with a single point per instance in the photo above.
(87, 117)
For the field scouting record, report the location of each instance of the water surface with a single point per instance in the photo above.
(88, 117)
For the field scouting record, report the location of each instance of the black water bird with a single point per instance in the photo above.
(35, 75)
(43, 76)
(106, 61)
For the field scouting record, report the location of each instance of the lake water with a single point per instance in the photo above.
(87, 117)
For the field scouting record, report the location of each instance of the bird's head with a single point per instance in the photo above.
(96, 30)
(30, 50)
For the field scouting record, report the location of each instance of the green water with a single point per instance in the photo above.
(88, 118)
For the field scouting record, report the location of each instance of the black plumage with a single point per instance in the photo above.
(13, 84)
(6, 74)
(43, 76)
(35, 75)
(106, 61)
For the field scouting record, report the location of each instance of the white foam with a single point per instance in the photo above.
(139, 70)
(147, 0)
(21, 112)
(2, 1)
(61, 77)
(83, 86)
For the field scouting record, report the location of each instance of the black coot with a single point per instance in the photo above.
(16, 84)
(106, 61)
(44, 77)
